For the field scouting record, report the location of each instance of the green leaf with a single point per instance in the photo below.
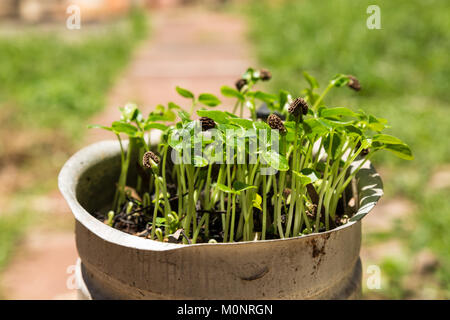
(351, 129)
(307, 176)
(173, 105)
(245, 123)
(400, 150)
(263, 96)
(256, 202)
(316, 126)
(184, 93)
(184, 116)
(304, 180)
(123, 127)
(98, 126)
(200, 161)
(231, 93)
(311, 80)
(275, 160)
(377, 124)
(261, 125)
(155, 125)
(129, 112)
(161, 117)
(224, 188)
(387, 139)
(239, 186)
(340, 80)
(339, 111)
(217, 115)
(209, 100)
(311, 174)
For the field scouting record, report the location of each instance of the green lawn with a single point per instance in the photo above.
(52, 82)
(404, 71)
(56, 79)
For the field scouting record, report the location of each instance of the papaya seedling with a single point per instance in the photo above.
(216, 176)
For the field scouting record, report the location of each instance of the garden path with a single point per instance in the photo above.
(194, 48)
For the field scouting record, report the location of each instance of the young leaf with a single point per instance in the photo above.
(275, 160)
(400, 150)
(377, 124)
(311, 80)
(231, 93)
(200, 161)
(239, 186)
(98, 126)
(224, 188)
(184, 93)
(311, 174)
(184, 116)
(155, 125)
(209, 100)
(217, 115)
(129, 112)
(340, 80)
(339, 111)
(245, 123)
(263, 96)
(386, 139)
(168, 115)
(256, 202)
(172, 105)
(123, 127)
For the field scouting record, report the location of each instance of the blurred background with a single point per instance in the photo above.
(55, 79)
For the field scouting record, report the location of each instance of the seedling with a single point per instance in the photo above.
(225, 178)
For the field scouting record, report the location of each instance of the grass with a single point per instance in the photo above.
(404, 71)
(11, 229)
(55, 81)
(51, 83)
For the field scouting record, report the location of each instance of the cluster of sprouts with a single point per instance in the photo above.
(216, 176)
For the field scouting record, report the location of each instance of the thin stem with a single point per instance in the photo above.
(155, 211)
(264, 221)
(316, 104)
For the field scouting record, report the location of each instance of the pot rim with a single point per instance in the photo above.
(91, 154)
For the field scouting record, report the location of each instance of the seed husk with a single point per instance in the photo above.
(276, 123)
(354, 83)
(147, 159)
(207, 123)
(265, 75)
(298, 107)
(240, 84)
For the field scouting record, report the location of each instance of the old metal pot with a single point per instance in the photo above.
(117, 265)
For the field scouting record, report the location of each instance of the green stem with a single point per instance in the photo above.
(316, 104)
(155, 211)
(233, 214)
(264, 221)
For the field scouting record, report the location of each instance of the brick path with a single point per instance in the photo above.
(192, 48)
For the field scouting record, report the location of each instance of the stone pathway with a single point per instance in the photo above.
(193, 48)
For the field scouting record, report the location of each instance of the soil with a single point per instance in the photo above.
(138, 220)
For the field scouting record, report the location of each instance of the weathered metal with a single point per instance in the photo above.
(117, 265)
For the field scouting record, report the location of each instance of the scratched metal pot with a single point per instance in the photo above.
(117, 265)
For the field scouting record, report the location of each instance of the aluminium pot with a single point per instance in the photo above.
(117, 265)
